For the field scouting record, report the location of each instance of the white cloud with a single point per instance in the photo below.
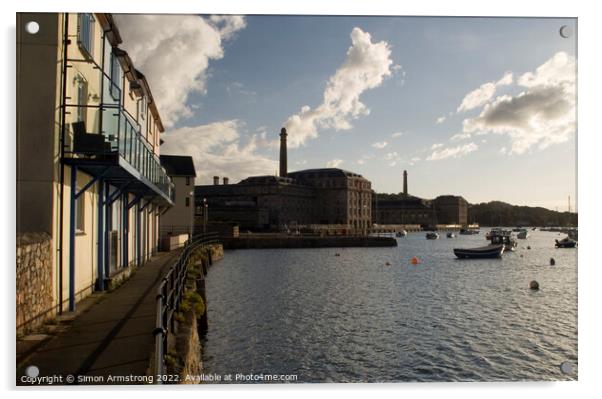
(173, 52)
(440, 120)
(391, 155)
(541, 115)
(334, 163)
(460, 136)
(366, 66)
(361, 161)
(397, 134)
(217, 151)
(452, 152)
(484, 93)
(380, 145)
(415, 159)
(228, 25)
(436, 145)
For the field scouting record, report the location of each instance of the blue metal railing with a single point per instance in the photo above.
(169, 297)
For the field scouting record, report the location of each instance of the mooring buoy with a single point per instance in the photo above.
(552, 262)
(529, 247)
(414, 261)
(534, 285)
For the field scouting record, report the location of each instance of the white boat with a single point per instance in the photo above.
(431, 235)
(500, 236)
(451, 235)
(401, 233)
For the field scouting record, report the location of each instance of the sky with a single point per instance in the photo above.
(479, 107)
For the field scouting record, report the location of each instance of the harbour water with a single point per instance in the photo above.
(353, 318)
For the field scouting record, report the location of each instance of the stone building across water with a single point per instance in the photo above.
(328, 196)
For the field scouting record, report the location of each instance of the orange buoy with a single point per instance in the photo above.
(414, 260)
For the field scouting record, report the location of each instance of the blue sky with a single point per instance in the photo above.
(251, 75)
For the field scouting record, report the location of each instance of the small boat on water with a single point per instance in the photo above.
(523, 234)
(493, 233)
(488, 251)
(500, 236)
(566, 242)
(431, 235)
(451, 235)
(401, 233)
(468, 232)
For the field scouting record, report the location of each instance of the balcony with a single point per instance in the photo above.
(102, 138)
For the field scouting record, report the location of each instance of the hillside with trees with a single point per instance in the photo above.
(497, 213)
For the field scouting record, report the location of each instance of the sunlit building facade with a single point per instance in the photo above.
(88, 169)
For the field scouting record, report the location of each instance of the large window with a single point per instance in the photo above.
(82, 99)
(115, 71)
(85, 36)
(80, 213)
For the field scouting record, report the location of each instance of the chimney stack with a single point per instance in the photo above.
(226, 180)
(215, 180)
(405, 182)
(283, 167)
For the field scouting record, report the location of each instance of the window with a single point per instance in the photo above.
(187, 201)
(115, 70)
(85, 37)
(188, 180)
(82, 99)
(80, 213)
(143, 108)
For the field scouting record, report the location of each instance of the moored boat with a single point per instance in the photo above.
(523, 234)
(500, 236)
(566, 242)
(451, 235)
(431, 235)
(468, 232)
(401, 233)
(488, 251)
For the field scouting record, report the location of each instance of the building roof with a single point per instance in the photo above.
(178, 165)
(267, 179)
(331, 172)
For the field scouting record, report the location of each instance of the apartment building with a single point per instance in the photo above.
(88, 169)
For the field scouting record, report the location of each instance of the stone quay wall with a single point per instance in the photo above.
(34, 281)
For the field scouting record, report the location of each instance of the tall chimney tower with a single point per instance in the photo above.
(405, 182)
(283, 168)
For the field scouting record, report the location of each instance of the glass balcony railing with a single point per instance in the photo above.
(99, 125)
(123, 134)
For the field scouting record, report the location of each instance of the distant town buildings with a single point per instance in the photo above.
(90, 186)
(399, 209)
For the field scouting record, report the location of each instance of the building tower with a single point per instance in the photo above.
(405, 183)
(283, 168)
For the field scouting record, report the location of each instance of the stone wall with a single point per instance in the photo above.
(34, 281)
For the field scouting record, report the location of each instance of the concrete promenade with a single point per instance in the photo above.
(112, 337)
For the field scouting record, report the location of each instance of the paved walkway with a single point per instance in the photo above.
(114, 336)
